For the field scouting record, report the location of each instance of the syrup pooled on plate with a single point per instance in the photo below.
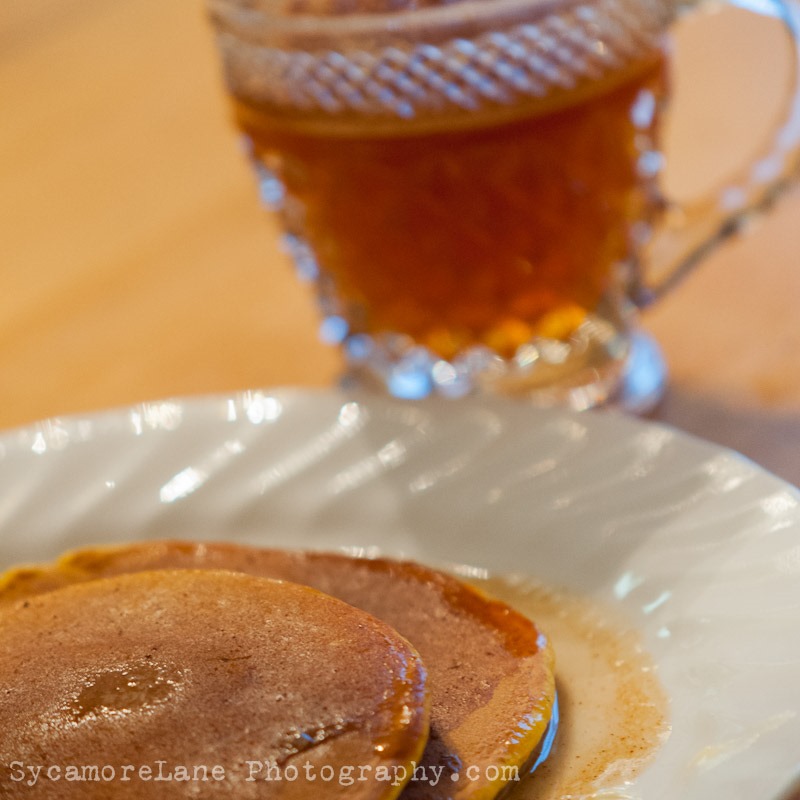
(613, 707)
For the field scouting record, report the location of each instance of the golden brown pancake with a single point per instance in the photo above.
(203, 671)
(490, 671)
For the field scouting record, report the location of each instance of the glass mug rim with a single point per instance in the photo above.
(494, 57)
(257, 21)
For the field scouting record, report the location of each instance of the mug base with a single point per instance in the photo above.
(625, 370)
(644, 379)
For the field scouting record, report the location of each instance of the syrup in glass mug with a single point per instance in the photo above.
(470, 184)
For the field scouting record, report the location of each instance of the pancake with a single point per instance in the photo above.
(490, 671)
(220, 674)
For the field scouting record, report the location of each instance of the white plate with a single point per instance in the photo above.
(700, 548)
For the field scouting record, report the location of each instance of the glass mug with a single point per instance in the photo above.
(473, 185)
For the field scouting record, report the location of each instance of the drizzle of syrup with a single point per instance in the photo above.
(122, 690)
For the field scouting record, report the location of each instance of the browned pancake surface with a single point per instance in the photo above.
(490, 671)
(202, 669)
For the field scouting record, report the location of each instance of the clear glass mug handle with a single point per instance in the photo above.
(687, 232)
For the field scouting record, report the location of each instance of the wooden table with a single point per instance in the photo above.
(136, 262)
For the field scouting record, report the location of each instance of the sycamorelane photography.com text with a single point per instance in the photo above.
(22, 773)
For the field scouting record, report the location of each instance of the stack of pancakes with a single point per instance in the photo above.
(227, 670)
